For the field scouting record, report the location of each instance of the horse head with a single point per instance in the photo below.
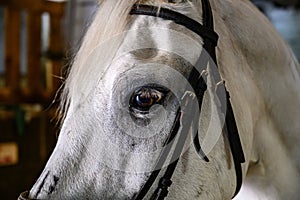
(133, 91)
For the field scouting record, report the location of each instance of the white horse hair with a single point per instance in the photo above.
(103, 153)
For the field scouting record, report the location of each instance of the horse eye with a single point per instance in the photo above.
(147, 98)
(144, 98)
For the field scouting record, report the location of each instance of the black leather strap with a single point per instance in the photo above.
(185, 123)
(235, 145)
(162, 158)
(230, 127)
(178, 18)
(206, 31)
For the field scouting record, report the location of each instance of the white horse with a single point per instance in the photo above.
(118, 107)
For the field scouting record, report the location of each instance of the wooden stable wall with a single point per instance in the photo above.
(27, 128)
(40, 82)
(34, 145)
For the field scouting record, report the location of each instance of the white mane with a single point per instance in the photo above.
(110, 20)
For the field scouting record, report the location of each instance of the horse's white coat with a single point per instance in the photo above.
(102, 154)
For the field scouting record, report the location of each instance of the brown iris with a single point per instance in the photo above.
(144, 98)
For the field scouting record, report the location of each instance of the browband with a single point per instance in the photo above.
(178, 18)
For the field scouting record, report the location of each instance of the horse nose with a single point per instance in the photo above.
(44, 186)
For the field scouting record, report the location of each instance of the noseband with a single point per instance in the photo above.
(210, 40)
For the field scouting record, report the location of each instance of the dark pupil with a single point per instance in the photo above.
(145, 97)
(144, 100)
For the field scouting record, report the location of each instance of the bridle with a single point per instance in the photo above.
(182, 124)
(210, 40)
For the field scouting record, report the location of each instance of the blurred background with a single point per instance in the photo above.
(37, 40)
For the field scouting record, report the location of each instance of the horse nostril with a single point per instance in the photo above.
(37, 188)
(52, 186)
(45, 186)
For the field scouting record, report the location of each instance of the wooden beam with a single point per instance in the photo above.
(12, 49)
(34, 43)
(56, 7)
(34, 89)
(57, 49)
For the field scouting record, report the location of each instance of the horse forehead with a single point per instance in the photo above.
(160, 32)
(153, 39)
